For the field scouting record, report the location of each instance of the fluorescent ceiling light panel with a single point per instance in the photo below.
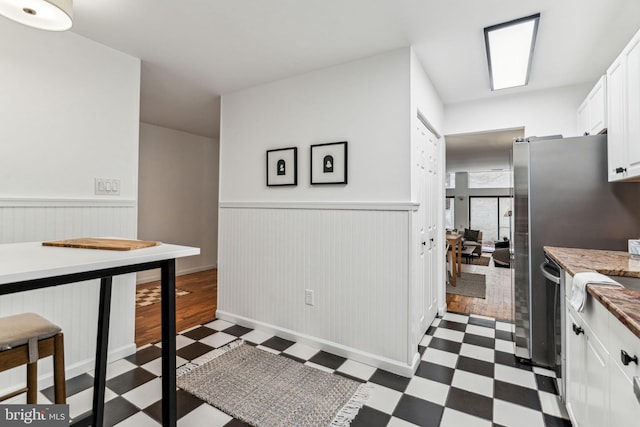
(509, 51)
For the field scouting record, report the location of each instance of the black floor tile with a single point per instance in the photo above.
(479, 341)
(199, 333)
(435, 372)
(456, 326)
(546, 383)
(145, 355)
(186, 404)
(118, 409)
(421, 350)
(504, 335)
(511, 360)
(431, 330)
(278, 343)
(237, 330)
(289, 356)
(74, 385)
(479, 321)
(418, 411)
(470, 403)
(130, 380)
(445, 345)
(476, 366)
(551, 421)
(516, 394)
(327, 359)
(236, 423)
(389, 380)
(193, 350)
(369, 417)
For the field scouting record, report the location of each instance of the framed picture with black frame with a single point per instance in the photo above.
(282, 167)
(329, 163)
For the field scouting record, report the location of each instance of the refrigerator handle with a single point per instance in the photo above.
(549, 276)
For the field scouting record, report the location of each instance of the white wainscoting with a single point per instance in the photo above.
(356, 261)
(73, 307)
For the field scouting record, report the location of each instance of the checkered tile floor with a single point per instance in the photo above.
(468, 377)
(148, 296)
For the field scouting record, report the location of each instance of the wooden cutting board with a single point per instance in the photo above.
(108, 244)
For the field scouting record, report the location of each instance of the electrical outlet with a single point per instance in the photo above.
(308, 297)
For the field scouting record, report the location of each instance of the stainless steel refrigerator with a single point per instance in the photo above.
(561, 198)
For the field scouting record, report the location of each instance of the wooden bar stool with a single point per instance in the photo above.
(25, 338)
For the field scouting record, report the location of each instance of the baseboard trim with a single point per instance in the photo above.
(396, 367)
(156, 277)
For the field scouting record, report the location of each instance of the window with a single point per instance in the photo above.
(449, 213)
(487, 215)
(490, 179)
(450, 180)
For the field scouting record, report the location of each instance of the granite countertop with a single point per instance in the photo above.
(622, 303)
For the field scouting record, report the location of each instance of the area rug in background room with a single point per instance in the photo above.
(148, 296)
(469, 285)
(480, 260)
(265, 389)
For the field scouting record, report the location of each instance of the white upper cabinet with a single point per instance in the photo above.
(623, 105)
(592, 113)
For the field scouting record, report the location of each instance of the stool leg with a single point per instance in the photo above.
(60, 386)
(32, 383)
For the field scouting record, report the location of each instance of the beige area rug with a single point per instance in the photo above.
(267, 390)
(148, 296)
(480, 260)
(469, 285)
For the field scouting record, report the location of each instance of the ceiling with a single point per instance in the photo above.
(193, 51)
(481, 151)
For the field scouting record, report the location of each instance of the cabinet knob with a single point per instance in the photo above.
(621, 170)
(626, 359)
(577, 329)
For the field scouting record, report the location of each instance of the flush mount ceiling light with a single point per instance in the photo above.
(52, 15)
(509, 51)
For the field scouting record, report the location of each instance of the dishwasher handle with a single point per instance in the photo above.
(551, 277)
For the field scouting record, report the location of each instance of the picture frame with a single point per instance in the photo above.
(329, 163)
(282, 167)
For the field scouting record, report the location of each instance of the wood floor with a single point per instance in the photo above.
(200, 305)
(498, 301)
(191, 310)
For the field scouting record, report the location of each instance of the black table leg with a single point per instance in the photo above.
(102, 345)
(168, 294)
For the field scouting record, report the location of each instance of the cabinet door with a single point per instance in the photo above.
(583, 118)
(597, 382)
(624, 410)
(598, 107)
(575, 370)
(632, 113)
(615, 112)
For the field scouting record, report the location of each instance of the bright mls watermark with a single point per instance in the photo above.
(34, 415)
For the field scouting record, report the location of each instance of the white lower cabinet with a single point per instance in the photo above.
(599, 385)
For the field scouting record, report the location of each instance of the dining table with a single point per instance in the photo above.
(455, 242)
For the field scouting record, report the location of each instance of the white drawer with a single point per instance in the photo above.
(621, 338)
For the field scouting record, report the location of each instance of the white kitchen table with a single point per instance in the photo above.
(29, 266)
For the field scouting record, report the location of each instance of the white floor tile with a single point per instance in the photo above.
(269, 349)
(510, 415)
(505, 346)
(503, 326)
(155, 366)
(425, 340)
(357, 369)
(475, 383)
(204, 416)
(146, 394)
(552, 405)
(219, 325)
(425, 389)
(383, 398)
(219, 339)
(256, 337)
(453, 418)
(82, 402)
(138, 420)
(481, 330)
(477, 352)
(320, 367)
(440, 357)
(456, 317)
(449, 334)
(182, 341)
(301, 351)
(21, 399)
(436, 322)
(118, 367)
(515, 376)
(543, 371)
(479, 316)
(397, 422)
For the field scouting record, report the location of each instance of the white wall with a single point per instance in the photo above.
(178, 197)
(365, 102)
(69, 113)
(546, 112)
